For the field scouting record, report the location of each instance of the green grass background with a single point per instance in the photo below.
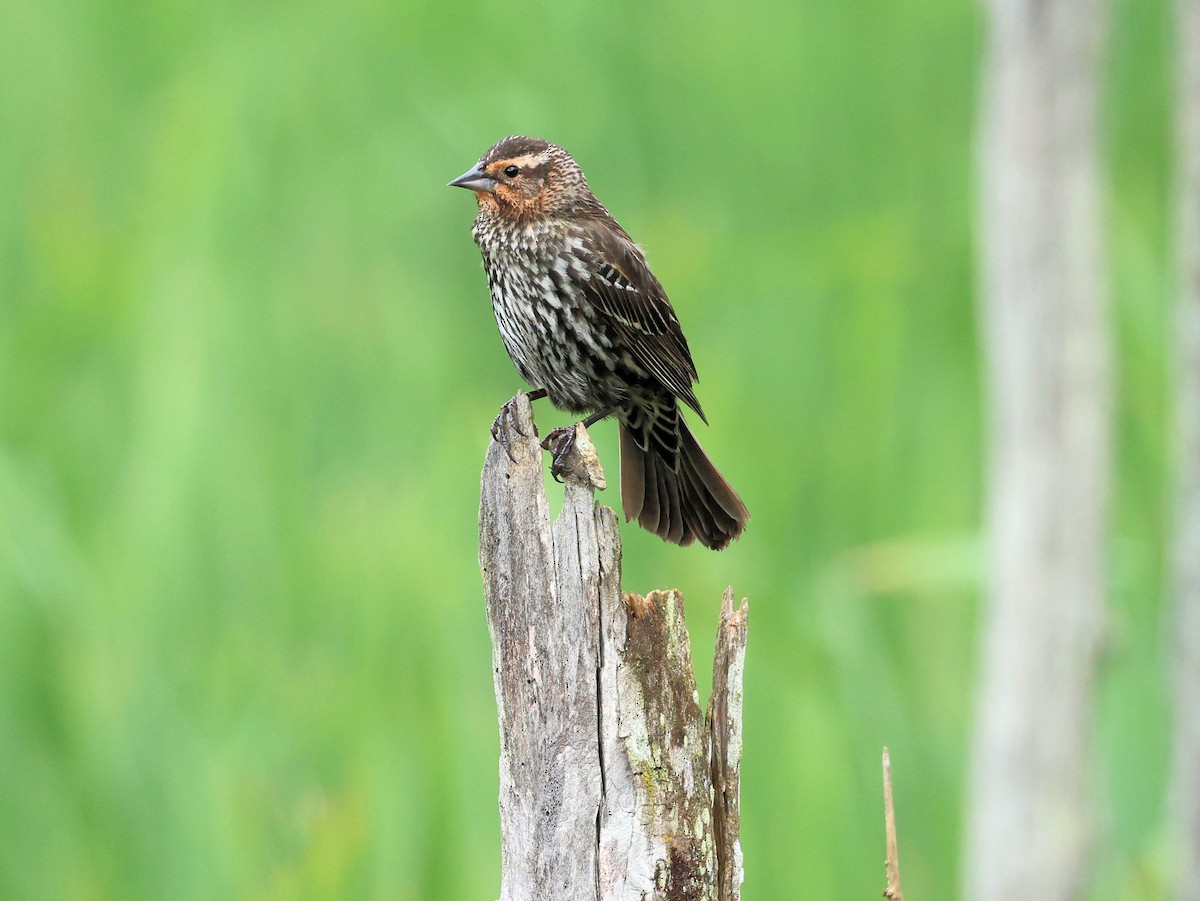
(247, 366)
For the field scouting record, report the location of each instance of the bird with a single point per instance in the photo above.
(588, 325)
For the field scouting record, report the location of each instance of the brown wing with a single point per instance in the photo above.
(625, 291)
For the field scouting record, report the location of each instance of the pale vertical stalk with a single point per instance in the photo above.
(1045, 328)
(1185, 782)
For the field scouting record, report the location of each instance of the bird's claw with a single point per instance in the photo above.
(560, 442)
(505, 421)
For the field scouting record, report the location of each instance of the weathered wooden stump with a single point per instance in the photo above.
(613, 785)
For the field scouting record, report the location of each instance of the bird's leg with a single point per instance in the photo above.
(507, 418)
(561, 442)
(596, 417)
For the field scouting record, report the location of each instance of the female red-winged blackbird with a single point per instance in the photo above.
(588, 325)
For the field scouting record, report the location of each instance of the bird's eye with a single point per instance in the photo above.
(512, 171)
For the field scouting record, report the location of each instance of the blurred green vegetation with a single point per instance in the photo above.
(247, 365)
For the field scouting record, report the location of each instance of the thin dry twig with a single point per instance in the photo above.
(892, 891)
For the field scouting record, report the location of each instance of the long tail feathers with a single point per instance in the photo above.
(681, 500)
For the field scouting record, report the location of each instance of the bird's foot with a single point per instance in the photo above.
(505, 423)
(560, 442)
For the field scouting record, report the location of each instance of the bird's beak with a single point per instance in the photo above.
(474, 179)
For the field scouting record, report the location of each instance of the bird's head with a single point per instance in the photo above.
(525, 178)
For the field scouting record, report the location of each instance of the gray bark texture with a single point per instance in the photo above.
(1045, 330)
(613, 783)
(1185, 783)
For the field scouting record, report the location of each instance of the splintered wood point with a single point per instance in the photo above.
(584, 462)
